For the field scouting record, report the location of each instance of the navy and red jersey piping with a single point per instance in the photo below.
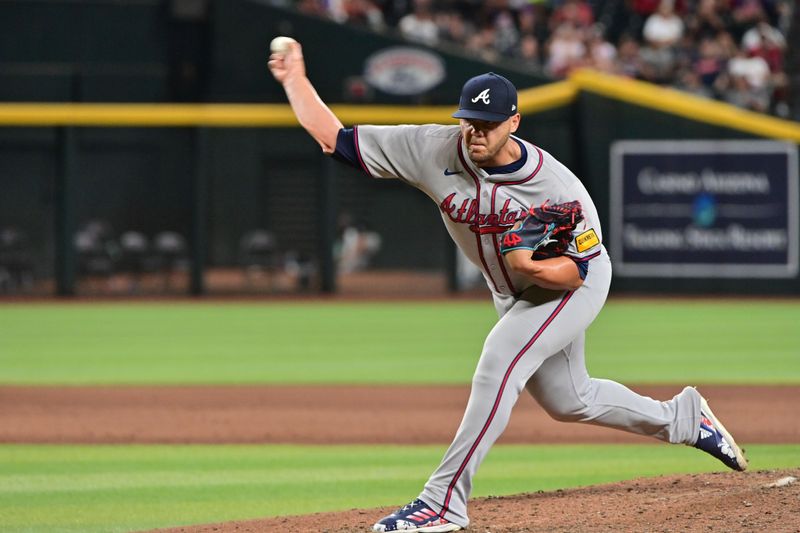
(583, 263)
(478, 197)
(586, 258)
(348, 151)
(494, 237)
(511, 167)
(495, 243)
(358, 152)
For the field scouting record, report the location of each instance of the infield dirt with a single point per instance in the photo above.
(336, 415)
(726, 502)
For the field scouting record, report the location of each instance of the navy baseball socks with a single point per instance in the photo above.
(416, 516)
(715, 440)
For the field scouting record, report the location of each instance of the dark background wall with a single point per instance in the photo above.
(151, 51)
(140, 178)
(84, 51)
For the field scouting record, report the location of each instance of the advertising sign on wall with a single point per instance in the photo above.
(704, 209)
(403, 70)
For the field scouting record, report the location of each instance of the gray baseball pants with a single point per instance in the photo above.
(540, 347)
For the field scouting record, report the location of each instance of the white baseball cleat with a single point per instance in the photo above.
(717, 441)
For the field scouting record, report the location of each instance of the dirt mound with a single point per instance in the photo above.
(730, 502)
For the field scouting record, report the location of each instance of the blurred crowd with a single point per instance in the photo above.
(730, 50)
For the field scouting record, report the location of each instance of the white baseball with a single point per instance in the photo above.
(280, 45)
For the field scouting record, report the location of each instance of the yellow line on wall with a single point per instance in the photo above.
(686, 105)
(250, 115)
(379, 114)
(546, 97)
(531, 101)
(160, 115)
(211, 115)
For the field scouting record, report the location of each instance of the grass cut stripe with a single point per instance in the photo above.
(49, 488)
(369, 343)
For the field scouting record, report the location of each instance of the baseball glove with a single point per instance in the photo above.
(546, 231)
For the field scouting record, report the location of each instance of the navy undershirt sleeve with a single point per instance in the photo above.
(583, 268)
(346, 148)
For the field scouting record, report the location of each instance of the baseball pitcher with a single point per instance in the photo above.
(531, 228)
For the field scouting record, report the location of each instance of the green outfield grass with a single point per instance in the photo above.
(124, 488)
(285, 342)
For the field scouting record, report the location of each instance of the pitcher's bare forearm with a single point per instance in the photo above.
(313, 114)
(556, 273)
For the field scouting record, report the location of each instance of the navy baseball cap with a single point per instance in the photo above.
(487, 97)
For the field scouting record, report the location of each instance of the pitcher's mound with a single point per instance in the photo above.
(731, 502)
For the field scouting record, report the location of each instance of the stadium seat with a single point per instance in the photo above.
(16, 261)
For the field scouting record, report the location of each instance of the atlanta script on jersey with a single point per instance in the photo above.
(478, 207)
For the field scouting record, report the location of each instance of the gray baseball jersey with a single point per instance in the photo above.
(538, 342)
(477, 207)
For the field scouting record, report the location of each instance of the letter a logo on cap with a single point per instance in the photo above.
(484, 97)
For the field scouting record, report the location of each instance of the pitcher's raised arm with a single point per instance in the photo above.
(314, 115)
